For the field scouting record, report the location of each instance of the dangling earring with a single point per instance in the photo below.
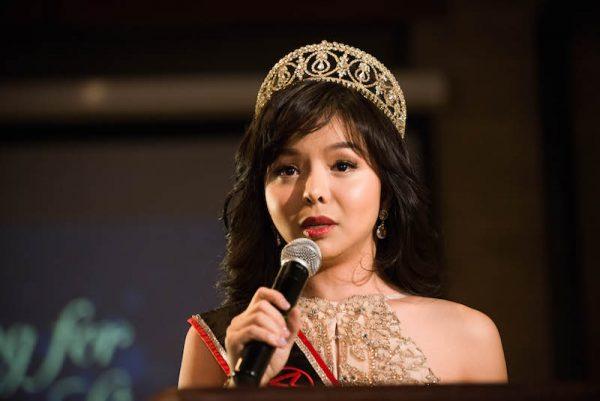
(381, 231)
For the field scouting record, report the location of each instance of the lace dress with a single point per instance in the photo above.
(361, 343)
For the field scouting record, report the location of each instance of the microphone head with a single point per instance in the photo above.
(304, 251)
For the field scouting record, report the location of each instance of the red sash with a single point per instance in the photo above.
(305, 367)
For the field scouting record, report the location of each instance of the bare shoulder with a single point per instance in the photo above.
(452, 315)
(476, 325)
(472, 323)
(483, 353)
(467, 337)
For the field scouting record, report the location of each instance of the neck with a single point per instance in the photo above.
(337, 280)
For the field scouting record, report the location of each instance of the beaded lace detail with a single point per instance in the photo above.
(360, 341)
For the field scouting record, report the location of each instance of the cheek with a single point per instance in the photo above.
(279, 203)
(272, 200)
(362, 197)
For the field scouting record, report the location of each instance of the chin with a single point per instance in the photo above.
(329, 250)
(329, 245)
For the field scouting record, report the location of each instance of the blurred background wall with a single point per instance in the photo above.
(118, 124)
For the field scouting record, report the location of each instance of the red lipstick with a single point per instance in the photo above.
(317, 226)
(317, 221)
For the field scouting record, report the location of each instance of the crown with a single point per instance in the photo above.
(341, 64)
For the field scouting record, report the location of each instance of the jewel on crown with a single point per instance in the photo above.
(338, 63)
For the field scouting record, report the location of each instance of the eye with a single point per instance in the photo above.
(343, 165)
(286, 171)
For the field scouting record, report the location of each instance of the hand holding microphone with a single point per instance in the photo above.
(262, 321)
(259, 340)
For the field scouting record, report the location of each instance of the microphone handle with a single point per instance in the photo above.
(256, 355)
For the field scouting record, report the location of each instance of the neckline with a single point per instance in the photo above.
(344, 300)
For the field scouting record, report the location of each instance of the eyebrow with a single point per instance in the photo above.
(338, 145)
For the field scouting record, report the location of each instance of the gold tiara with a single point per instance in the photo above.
(342, 64)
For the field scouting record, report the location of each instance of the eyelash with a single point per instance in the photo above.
(280, 170)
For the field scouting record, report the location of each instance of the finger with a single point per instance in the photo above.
(235, 322)
(271, 319)
(258, 333)
(267, 322)
(273, 296)
(265, 307)
(232, 344)
(293, 321)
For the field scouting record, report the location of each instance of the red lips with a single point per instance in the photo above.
(317, 226)
(317, 221)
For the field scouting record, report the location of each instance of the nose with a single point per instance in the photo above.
(316, 187)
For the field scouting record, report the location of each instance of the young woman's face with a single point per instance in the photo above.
(320, 188)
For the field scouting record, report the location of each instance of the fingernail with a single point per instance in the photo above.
(286, 332)
(282, 341)
(286, 305)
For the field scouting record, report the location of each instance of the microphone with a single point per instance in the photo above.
(300, 259)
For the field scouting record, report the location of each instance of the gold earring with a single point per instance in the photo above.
(381, 231)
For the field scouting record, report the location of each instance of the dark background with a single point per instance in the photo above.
(118, 124)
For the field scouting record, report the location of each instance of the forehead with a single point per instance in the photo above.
(331, 136)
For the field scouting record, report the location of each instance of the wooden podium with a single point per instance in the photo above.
(510, 392)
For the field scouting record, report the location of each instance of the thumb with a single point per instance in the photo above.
(294, 322)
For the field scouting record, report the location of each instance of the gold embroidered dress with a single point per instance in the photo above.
(361, 342)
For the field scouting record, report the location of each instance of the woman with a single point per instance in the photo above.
(325, 158)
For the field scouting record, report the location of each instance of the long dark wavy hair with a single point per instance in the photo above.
(407, 258)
